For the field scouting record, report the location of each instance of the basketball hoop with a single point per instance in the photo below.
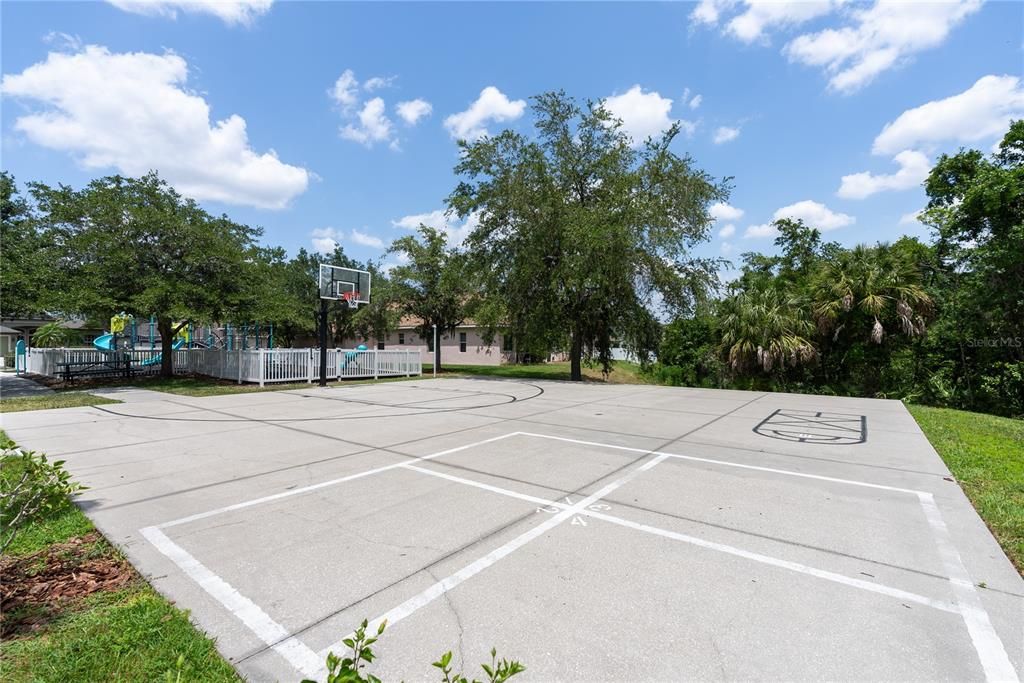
(351, 298)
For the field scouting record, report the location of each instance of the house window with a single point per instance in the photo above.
(401, 337)
(506, 343)
(380, 346)
(462, 342)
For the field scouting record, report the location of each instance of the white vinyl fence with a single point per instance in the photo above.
(261, 366)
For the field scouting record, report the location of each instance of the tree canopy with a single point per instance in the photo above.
(579, 234)
(433, 284)
(136, 245)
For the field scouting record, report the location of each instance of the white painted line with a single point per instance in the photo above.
(871, 586)
(325, 484)
(994, 659)
(249, 613)
(486, 487)
(882, 589)
(438, 589)
(726, 463)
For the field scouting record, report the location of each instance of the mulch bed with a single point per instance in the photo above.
(34, 588)
(86, 383)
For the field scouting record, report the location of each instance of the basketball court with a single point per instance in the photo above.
(594, 532)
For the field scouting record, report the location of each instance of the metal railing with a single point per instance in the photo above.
(262, 366)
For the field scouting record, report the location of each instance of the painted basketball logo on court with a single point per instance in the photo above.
(814, 426)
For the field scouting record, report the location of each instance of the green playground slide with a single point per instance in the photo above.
(105, 343)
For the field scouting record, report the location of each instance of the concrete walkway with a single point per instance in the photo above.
(13, 386)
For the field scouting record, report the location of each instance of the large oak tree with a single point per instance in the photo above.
(136, 245)
(581, 235)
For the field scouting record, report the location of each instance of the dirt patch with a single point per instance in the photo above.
(34, 588)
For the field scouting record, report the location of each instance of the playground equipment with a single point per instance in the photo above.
(108, 342)
(352, 355)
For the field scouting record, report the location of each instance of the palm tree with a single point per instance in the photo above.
(870, 291)
(767, 329)
(54, 334)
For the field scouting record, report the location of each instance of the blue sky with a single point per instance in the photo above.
(248, 106)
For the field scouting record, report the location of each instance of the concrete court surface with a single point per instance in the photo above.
(594, 532)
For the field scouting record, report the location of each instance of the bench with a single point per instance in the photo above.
(114, 367)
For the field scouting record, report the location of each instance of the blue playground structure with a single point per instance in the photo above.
(107, 343)
(352, 355)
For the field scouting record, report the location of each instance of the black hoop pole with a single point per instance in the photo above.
(323, 342)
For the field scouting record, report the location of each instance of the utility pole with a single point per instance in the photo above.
(437, 352)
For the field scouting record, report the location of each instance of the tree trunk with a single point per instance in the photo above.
(166, 328)
(576, 357)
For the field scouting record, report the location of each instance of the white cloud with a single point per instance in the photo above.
(133, 112)
(721, 211)
(456, 230)
(912, 218)
(366, 239)
(760, 230)
(709, 11)
(344, 90)
(373, 126)
(727, 231)
(695, 102)
(325, 240)
(764, 14)
(725, 134)
(491, 106)
(241, 12)
(815, 215)
(726, 248)
(643, 114)
(880, 37)
(982, 111)
(377, 82)
(914, 167)
(413, 110)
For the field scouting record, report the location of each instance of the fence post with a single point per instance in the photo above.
(376, 364)
(239, 352)
(408, 363)
(263, 367)
(309, 366)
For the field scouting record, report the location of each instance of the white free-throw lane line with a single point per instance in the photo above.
(325, 484)
(726, 463)
(994, 659)
(249, 613)
(871, 586)
(438, 589)
(245, 610)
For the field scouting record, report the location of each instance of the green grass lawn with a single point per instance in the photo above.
(986, 455)
(56, 400)
(622, 373)
(133, 634)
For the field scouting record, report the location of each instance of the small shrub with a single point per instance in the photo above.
(31, 489)
(351, 669)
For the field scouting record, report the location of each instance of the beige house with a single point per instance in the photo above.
(464, 346)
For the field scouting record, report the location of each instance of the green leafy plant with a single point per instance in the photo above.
(497, 671)
(31, 488)
(55, 334)
(351, 669)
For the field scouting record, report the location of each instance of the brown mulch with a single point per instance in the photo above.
(86, 383)
(35, 587)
